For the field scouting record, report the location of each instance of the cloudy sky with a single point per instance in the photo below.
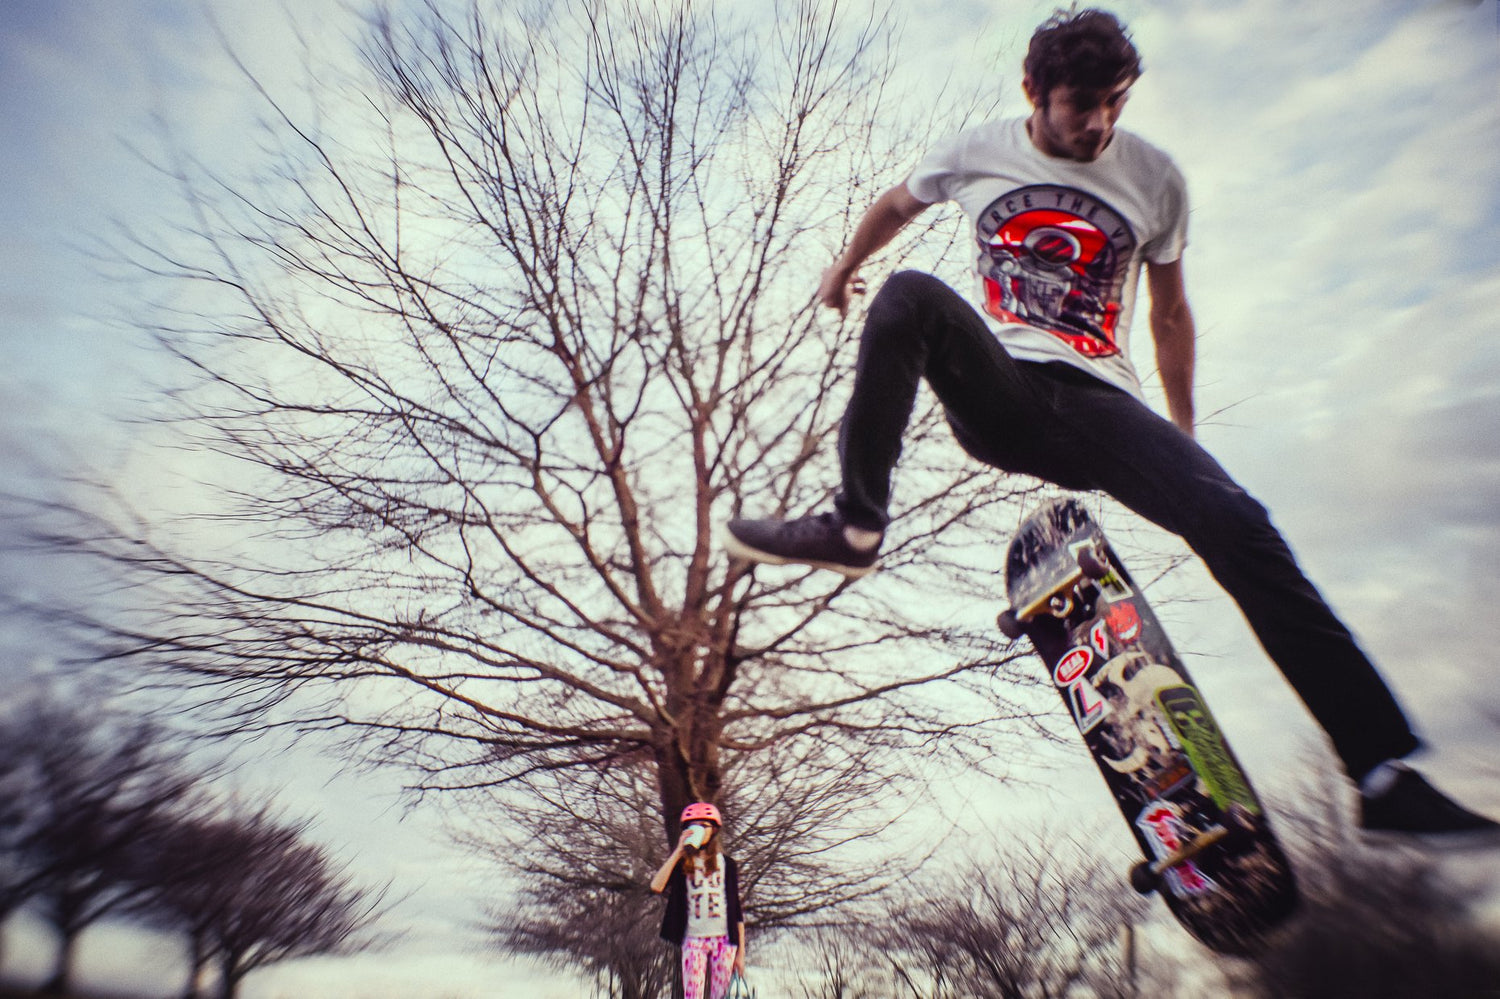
(1344, 267)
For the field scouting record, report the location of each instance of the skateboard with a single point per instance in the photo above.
(1208, 846)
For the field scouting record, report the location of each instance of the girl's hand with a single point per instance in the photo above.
(739, 963)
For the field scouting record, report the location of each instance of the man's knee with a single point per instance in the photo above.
(1224, 517)
(911, 281)
(907, 289)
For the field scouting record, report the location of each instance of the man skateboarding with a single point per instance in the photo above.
(1067, 210)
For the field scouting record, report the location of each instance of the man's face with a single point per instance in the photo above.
(1073, 123)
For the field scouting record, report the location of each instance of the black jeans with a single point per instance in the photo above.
(1063, 425)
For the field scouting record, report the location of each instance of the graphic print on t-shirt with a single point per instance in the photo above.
(1055, 258)
(706, 899)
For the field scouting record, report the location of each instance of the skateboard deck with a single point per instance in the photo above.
(1210, 853)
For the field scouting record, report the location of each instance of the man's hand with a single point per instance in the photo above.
(887, 216)
(836, 287)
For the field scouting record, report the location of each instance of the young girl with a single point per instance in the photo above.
(703, 906)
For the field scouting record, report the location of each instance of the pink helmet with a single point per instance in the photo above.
(701, 811)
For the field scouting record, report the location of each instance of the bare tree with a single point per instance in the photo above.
(497, 355)
(496, 345)
(84, 788)
(1044, 919)
(246, 889)
(287, 901)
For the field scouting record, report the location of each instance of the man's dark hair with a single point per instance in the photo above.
(1086, 49)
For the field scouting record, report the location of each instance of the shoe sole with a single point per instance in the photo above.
(738, 549)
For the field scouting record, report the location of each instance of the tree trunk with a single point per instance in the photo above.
(230, 975)
(62, 970)
(675, 780)
(687, 758)
(197, 966)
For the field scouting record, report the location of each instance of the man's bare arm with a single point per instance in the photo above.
(1176, 339)
(885, 218)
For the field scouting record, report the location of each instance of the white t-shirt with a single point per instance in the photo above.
(1061, 242)
(708, 907)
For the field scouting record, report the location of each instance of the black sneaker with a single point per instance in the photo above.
(817, 541)
(1412, 806)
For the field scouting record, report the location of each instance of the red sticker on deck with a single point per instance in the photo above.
(1125, 621)
(1074, 663)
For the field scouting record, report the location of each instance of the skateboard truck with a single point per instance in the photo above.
(1092, 563)
(1146, 877)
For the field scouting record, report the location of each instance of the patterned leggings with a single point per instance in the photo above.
(707, 960)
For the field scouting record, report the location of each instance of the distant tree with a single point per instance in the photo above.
(251, 892)
(83, 788)
(610, 934)
(1378, 922)
(15, 877)
(1042, 920)
(102, 817)
(842, 963)
(178, 862)
(582, 859)
(191, 865)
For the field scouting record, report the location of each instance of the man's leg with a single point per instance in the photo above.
(1153, 468)
(917, 328)
(1060, 423)
(1063, 425)
(1146, 463)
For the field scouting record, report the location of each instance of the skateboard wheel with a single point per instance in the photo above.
(1143, 879)
(1093, 563)
(1010, 625)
